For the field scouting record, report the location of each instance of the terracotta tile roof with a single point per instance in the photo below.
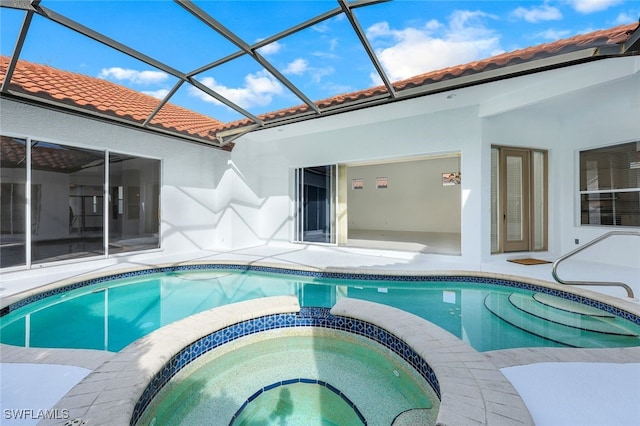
(616, 35)
(612, 36)
(96, 95)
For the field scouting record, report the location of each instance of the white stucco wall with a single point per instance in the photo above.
(593, 105)
(561, 111)
(264, 160)
(215, 199)
(190, 173)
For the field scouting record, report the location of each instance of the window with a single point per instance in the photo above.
(610, 185)
(55, 204)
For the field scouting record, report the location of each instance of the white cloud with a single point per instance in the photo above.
(159, 94)
(538, 14)
(324, 55)
(317, 74)
(321, 28)
(590, 6)
(375, 78)
(133, 76)
(258, 90)
(625, 18)
(270, 49)
(297, 67)
(435, 45)
(301, 67)
(332, 87)
(553, 35)
(381, 29)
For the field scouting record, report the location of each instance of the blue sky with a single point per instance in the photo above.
(410, 37)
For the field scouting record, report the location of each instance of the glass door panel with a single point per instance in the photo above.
(67, 199)
(13, 165)
(134, 203)
(515, 165)
(315, 196)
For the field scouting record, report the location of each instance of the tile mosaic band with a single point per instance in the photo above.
(276, 385)
(332, 275)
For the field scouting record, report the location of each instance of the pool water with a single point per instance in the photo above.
(111, 315)
(298, 404)
(376, 381)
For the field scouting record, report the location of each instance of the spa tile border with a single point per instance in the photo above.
(306, 317)
(462, 278)
(322, 383)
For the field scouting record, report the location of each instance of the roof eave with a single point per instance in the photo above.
(483, 77)
(35, 100)
(509, 71)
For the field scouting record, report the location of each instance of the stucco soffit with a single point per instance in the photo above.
(537, 88)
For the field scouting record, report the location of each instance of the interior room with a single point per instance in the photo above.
(408, 204)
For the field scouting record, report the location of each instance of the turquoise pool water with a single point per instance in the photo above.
(112, 314)
(369, 383)
(298, 404)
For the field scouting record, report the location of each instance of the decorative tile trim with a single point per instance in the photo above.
(307, 317)
(333, 275)
(276, 385)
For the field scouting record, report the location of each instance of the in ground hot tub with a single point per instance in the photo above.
(293, 376)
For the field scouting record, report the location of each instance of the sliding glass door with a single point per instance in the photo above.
(134, 197)
(60, 202)
(67, 202)
(13, 196)
(315, 204)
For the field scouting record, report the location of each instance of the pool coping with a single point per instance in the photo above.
(473, 390)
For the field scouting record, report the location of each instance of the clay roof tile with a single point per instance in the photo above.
(108, 98)
(118, 101)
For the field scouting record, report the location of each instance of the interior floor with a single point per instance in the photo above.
(74, 247)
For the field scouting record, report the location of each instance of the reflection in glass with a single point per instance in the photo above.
(613, 209)
(66, 202)
(610, 168)
(514, 198)
(13, 165)
(610, 185)
(60, 202)
(539, 208)
(134, 194)
(316, 190)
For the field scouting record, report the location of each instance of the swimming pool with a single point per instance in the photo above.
(110, 312)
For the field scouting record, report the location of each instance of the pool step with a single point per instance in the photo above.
(570, 306)
(560, 325)
(596, 324)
